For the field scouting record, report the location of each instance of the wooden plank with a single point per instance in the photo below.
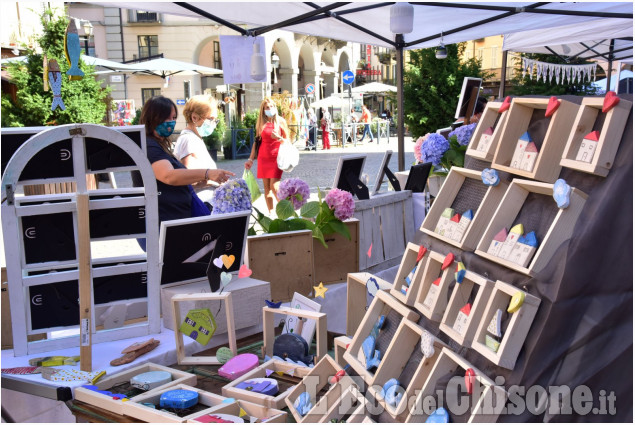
(332, 264)
(356, 298)
(488, 119)
(85, 283)
(408, 262)
(434, 307)
(269, 331)
(390, 225)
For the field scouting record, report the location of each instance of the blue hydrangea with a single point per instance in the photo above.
(463, 134)
(231, 196)
(433, 148)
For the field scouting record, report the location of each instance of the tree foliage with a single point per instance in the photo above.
(432, 87)
(85, 99)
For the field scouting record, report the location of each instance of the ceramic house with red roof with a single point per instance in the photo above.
(522, 143)
(529, 157)
(485, 140)
(588, 146)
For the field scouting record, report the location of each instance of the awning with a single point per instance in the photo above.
(374, 87)
(164, 67)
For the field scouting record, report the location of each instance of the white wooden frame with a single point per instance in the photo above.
(268, 331)
(259, 413)
(380, 174)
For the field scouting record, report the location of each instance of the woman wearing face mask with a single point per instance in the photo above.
(200, 117)
(177, 198)
(273, 131)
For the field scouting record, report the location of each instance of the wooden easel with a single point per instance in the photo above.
(470, 105)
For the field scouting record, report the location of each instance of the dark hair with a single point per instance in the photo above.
(480, 105)
(155, 111)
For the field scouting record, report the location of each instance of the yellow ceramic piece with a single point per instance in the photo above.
(516, 302)
(518, 229)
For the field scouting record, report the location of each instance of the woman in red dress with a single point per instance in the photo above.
(273, 131)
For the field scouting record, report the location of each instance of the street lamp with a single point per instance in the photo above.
(88, 32)
(275, 60)
(441, 52)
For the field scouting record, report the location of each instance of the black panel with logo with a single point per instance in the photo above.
(54, 161)
(117, 222)
(120, 287)
(49, 237)
(54, 305)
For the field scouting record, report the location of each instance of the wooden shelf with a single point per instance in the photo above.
(432, 305)
(356, 291)
(345, 407)
(256, 413)
(341, 343)
(268, 330)
(408, 263)
(490, 118)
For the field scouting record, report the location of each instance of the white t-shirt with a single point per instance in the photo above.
(189, 143)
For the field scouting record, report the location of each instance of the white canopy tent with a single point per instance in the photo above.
(333, 101)
(623, 75)
(374, 87)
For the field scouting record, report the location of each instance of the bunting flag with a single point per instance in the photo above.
(568, 74)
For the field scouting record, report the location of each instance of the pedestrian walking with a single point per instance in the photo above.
(366, 121)
(326, 128)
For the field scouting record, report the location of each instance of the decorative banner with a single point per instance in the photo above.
(547, 71)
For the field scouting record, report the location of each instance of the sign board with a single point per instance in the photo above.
(348, 77)
(309, 88)
(236, 52)
(180, 101)
(116, 78)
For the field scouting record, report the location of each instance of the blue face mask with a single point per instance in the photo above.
(166, 128)
(207, 128)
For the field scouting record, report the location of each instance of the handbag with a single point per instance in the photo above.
(198, 207)
(288, 157)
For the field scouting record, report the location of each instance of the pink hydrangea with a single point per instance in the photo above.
(295, 190)
(341, 202)
(418, 144)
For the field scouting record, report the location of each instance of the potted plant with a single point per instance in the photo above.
(214, 140)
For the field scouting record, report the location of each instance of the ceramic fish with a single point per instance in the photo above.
(372, 356)
(303, 404)
(72, 50)
(55, 81)
(271, 304)
(393, 392)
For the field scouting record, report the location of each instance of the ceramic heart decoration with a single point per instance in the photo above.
(228, 260)
(225, 278)
(449, 259)
(610, 100)
(506, 104)
(218, 262)
(552, 106)
(470, 378)
(244, 271)
(422, 252)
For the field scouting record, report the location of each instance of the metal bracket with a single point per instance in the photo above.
(10, 195)
(77, 131)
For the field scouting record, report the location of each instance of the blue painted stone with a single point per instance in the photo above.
(561, 193)
(303, 404)
(490, 177)
(439, 416)
(392, 392)
(468, 214)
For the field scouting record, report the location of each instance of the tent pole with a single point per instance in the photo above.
(610, 67)
(401, 159)
(501, 90)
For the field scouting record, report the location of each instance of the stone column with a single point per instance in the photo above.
(288, 80)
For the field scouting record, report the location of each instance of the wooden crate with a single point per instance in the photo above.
(408, 262)
(356, 298)
(490, 118)
(490, 398)
(256, 413)
(435, 307)
(387, 222)
(611, 131)
(284, 259)
(446, 197)
(560, 230)
(517, 329)
(406, 342)
(226, 299)
(106, 383)
(269, 331)
(383, 304)
(345, 407)
(317, 384)
(459, 297)
(547, 165)
(332, 264)
(341, 343)
(274, 402)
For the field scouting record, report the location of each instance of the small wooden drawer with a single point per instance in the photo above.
(255, 412)
(404, 350)
(525, 115)
(323, 394)
(517, 327)
(490, 118)
(408, 264)
(383, 305)
(463, 189)
(490, 399)
(611, 128)
(341, 343)
(460, 295)
(432, 304)
(511, 206)
(285, 383)
(357, 298)
(108, 382)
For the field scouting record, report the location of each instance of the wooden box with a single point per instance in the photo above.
(108, 382)
(490, 118)
(433, 306)
(383, 304)
(408, 263)
(517, 329)
(357, 298)
(332, 264)
(459, 298)
(285, 384)
(488, 399)
(464, 188)
(284, 259)
(323, 394)
(404, 348)
(346, 407)
(269, 331)
(341, 343)
(524, 112)
(589, 118)
(560, 230)
(256, 413)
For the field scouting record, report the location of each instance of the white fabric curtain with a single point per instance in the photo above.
(571, 74)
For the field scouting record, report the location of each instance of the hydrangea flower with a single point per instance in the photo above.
(463, 134)
(418, 144)
(295, 190)
(433, 148)
(341, 202)
(231, 196)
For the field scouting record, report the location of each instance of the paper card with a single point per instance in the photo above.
(305, 327)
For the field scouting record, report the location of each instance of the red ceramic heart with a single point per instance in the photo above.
(470, 378)
(506, 104)
(449, 259)
(244, 271)
(610, 100)
(422, 252)
(552, 106)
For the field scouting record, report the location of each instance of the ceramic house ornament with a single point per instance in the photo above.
(444, 221)
(529, 157)
(199, 324)
(515, 233)
(485, 140)
(460, 324)
(524, 249)
(432, 293)
(462, 226)
(497, 242)
(587, 147)
(522, 143)
(453, 227)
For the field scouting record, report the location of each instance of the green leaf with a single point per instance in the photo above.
(326, 228)
(310, 209)
(340, 228)
(266, 224)
(317, 234)
(284, 209)
(275, 226)
(297, 224)
(251, 231)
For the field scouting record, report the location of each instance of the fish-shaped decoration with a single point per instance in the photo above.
(303, 404)
(372, 356)
(55, 81)
(392, 392)
(272, 304)
(72, 50)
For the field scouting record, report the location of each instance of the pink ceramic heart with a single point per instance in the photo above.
(422, 252)
(244, 271)
(506, 104)
(552, 106)
(610, 100)
(449, 259)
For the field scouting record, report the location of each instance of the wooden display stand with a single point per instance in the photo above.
(255, 412)
(517, 330)
(458, 299)
(106, 383)
(284, 259)
(274, 402)
(491, 399)
(323, 394)
(226, 300)
(345, 407)
(490, 118)
(434, 307)
(560, 230)
(356, 296)
(332, 264)
(611, 131)
(453, 183)
(269, 332)
(383, 304)
(341, 344)
(408, 262)
(406, 342)
(520, 114)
